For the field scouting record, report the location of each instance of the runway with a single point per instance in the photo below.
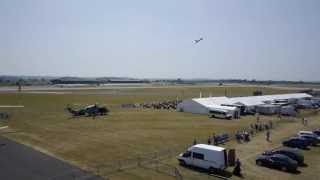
(19, 162)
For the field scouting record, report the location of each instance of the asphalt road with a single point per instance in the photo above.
(19, 162)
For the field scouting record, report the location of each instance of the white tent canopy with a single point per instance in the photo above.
(203, 105)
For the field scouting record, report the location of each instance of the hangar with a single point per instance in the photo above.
(234, 106)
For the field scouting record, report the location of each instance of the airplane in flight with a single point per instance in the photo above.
(198, 40)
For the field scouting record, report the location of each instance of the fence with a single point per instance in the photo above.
(76, 175)
(149, 161)
(163, 168)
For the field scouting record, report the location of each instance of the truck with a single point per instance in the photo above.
(209, 157)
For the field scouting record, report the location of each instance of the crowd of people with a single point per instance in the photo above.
(246, 134)
(240, 135)
(215, 139)
(154, 105)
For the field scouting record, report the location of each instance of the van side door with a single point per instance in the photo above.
(198, 160)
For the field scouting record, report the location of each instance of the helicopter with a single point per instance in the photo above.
(91, 110)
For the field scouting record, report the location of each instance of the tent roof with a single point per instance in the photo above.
(247, 101)
(213, 100)
(259, 100)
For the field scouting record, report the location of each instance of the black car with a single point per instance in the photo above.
(316, 132)
(312, 139)
(296, 142)
(278, 161)
(292, 153)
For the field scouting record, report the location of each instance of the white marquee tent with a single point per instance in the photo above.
(203, 105)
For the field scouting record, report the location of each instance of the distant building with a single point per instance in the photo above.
(75, 80)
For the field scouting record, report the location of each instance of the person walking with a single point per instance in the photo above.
(214, 142)
(237, 168)
(270, 124)
(195, 142)
(256, 127)
(268, 136)
(238, 137)
(209, 140)
(306, 122)
(251, 132)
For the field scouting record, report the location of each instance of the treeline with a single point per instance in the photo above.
(23, 80)
(46, 80)
(233, 81)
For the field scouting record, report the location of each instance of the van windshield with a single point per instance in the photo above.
(186, 154)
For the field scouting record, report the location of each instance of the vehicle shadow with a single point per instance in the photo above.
(295, 172)
(220, 118)
(304, 165)
(306, 149)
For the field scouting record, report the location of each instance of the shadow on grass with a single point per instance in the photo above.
(294, 172)
(223, 174)
(304, 165)
(306, 149)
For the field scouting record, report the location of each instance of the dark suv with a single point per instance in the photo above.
(296, 142)
(292, 153)
(311, 138)
(317, 132)
(277, 161)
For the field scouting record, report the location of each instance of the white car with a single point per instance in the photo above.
(308, 133)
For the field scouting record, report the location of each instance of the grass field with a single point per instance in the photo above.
(126, 133)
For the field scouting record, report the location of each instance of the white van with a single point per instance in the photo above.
(220, 114)
(204, 156)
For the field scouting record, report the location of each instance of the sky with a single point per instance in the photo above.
(243, 39)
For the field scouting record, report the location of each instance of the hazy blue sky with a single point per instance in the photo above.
(270, 39)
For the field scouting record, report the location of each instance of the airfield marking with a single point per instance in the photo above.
(46, 92)
(11, 106)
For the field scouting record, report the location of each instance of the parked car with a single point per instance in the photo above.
(316, 132)
(292, 153)
(310, 133)
(278, 161)
(312, 139)
(296, 142)
(212, 158)
(309, 141)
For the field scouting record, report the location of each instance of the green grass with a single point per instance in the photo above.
(125, 133)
